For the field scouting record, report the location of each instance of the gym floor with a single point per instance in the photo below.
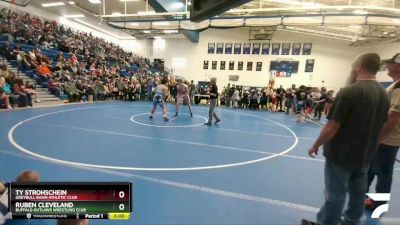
(252, 168)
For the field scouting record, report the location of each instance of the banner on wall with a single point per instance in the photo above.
(214, 65)
(249, 66)
(240, 65)
(256, 49)
(265, 49)
(220, 48)
(296, 48)
(309, 65)
(231, 65)
(222, 65)
(228, 48)
(276, 47)
(307, 48)
(246, 48)
(286, 48)
(205, 65)
(237, 48)
(211, 48)
(259, 66)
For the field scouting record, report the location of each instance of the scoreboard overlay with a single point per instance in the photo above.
(71, 200)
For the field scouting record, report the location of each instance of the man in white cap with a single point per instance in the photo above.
(389, 140)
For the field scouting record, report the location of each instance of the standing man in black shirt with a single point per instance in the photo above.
(279, 97)
(349, 141)
(213, 102)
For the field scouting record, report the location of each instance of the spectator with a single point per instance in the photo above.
(213, 102)
(9, 100)
(235, 98)
(320, 104)
(389, 140)
(137, 90)
(72, 91)
(280, 94)
(290, 99)
(362, 106)
(4, 72)
(44, 71)
(24, 97)
(54, 86)
(4, 99)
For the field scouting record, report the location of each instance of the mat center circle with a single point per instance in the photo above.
(183, 120)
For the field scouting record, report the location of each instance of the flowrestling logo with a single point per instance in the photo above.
(379, 197)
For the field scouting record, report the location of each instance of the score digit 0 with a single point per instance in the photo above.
(121, 194)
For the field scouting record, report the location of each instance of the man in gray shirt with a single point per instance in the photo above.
(349, 141)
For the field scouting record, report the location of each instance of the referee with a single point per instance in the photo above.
(213, 102)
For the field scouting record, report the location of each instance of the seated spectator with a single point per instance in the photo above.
(24, 98)
(4, 72)
(44, 71)
(25, 61)
(71, 90)
(54, 86)
(99, 93)
(73, 68)
(74, 59)
(7, 52)
(5, 85)
(4, 100)
(31, 89)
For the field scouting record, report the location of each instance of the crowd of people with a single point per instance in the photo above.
(92, 67)
(302, 101)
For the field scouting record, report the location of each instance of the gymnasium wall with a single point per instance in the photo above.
(333, 59)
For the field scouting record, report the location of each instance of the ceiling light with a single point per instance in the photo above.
(116, 14)
(95, 1)
(189, 3)
(146, 31)
(74, 16)
(177, 5)
(133, 24)
(71, 2)
(161, 23)
(52, 4)
(171, 31)
(360, 12)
